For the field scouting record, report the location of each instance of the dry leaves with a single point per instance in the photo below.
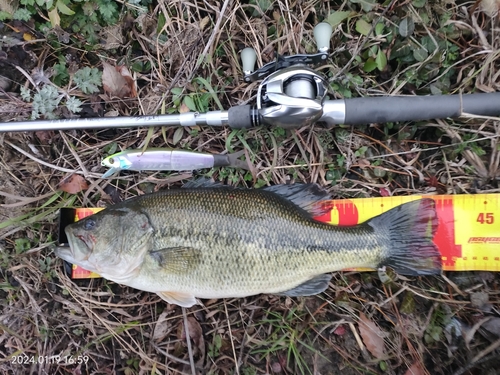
(492, 326)
(196, 334)
(45, 137)
(490, 7)
(117, 81)
(183, 108)
(416, 369)
(73, 184)
(162, 328)
(372, 335)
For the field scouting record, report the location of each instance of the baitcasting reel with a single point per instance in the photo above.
(291, 93)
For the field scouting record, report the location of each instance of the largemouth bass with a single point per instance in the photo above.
(212, 241)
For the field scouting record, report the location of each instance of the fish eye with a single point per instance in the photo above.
(89, 224)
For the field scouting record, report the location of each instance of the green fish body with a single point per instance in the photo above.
(217, 242)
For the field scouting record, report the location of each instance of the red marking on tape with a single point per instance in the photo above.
(84, 212)
(445, 234)
(348, 213)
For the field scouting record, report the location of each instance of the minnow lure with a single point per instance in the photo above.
(163, 159)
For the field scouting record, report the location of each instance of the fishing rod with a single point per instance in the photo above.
(293, 95)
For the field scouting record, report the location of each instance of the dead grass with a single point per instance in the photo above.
(124, 331)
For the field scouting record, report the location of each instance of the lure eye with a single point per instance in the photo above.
(111, 161)
(89, 224)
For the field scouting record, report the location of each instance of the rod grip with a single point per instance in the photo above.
(241, 117)
(359, 111)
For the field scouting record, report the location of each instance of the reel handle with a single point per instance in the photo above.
(322, 35)
(248, 60)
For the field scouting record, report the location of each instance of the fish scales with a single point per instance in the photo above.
(243, 237)
(215, 242)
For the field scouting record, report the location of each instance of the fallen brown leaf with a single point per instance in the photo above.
(415, 369)
(45, 137)
(372, 335)
(123, 70)
(117, 81)
(162, 327)
(196, 334)
(183, 108)
(73, 184)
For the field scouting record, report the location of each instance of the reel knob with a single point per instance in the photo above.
(248, 59)
(322, 35)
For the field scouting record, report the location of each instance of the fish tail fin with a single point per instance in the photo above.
(410, 229)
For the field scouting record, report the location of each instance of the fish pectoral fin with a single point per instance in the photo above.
(178, 298)
(313, 286)
(177, 259)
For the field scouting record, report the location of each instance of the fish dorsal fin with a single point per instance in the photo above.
(177, 259)
(311, 287)
(306, 196)
(178, 298)
(203, 182)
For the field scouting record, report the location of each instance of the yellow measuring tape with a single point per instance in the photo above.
(468, 234)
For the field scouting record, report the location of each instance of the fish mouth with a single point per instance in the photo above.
(65, 253)
(80, 242)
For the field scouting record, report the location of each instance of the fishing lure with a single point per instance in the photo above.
(163, 159)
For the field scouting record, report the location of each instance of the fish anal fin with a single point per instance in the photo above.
(178, 298)
(311, 287)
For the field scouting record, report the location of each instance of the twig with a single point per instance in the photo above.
(471, 332)
(170, 356)
(356, 336)
(188, 340)
(34, 158)
(486, 351)
(214, 33)
(75, 155)
(236, 364)
(23, 200)
(453, 285)
(479, 358)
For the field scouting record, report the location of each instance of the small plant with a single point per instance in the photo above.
(85, 17)
(47, 267)
(133, 366)
(286, 337)
(215, 346)
(88, 80)
(374, 56)
(346, 85)
(47, 99)
(22, 245)
(434, 331)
